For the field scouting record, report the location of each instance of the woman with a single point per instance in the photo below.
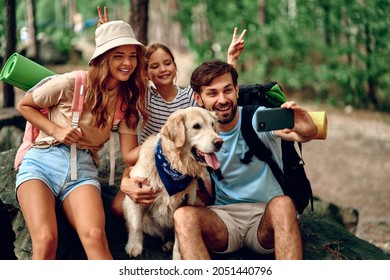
(43, 178)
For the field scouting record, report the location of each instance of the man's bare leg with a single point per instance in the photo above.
(279, 229)
(199, 230)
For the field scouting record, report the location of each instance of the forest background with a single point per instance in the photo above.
(331, 55)
(332, 51)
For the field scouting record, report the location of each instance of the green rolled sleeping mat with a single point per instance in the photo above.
(22, 72)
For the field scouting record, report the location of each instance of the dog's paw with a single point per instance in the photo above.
(134, 250)
(176, 255)
(168, 246)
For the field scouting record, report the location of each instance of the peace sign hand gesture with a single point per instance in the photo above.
(103, 18)
(236, 47)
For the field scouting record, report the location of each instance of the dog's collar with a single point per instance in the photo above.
(173, 180)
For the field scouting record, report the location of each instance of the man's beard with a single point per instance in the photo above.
(226, 118)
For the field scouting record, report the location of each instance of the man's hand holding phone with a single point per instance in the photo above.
(303, 128)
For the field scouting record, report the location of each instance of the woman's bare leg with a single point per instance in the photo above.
(37, 204)
(85, 212)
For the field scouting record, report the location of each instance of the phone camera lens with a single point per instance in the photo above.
(261, 126)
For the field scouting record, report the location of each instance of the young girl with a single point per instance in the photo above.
(43, 179)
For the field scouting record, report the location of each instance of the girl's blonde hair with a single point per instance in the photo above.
(132, 91)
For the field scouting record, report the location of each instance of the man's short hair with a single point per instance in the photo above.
(204, 74)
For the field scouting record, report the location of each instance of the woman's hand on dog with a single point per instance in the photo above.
(132, 187)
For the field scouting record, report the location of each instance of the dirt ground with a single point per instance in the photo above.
(351, 168)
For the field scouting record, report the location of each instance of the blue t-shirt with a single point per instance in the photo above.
(253, 182)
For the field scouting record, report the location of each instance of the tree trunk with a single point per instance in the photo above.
(327, 23)
(34, 52)
(139, 19)
(9, 93)
(371, 82)
(72, 4)
(261, 12)
(292, 9)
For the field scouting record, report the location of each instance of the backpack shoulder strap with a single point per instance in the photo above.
(77, 110)
(119, 115)
(256, 146)
(78, 96)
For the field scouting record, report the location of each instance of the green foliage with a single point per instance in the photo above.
(323, 49)
(53, 20)
(2, 30)
(338, 51)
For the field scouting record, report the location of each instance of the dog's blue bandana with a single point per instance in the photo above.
(173, 180)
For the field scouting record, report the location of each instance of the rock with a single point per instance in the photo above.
(11, 117)
(10, 137)
(327, 233)
(326, 238)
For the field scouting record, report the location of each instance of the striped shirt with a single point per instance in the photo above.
(159, 110)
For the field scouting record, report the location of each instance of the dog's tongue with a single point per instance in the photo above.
(212, 161)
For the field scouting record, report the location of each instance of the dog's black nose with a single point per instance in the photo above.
(217, 143)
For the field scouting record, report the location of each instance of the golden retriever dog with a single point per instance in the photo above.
(171, 161)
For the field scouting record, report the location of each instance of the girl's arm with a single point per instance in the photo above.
(31, 112)
(129, 148)
(236, 47)
(132, 187)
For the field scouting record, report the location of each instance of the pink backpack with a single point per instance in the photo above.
(31, 132)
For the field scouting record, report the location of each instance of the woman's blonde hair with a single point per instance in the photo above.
(132, 91)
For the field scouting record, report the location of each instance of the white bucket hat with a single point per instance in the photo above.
(113, 34)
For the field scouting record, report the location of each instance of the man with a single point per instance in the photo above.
(250, 209)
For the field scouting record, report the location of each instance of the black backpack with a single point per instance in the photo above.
(292, 178)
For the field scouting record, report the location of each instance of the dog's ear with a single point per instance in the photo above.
(216, 118)
(174, 129)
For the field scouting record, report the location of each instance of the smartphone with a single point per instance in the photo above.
(274, 119)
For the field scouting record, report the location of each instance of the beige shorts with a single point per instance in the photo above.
(242, 221)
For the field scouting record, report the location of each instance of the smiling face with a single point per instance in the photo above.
(220, 96)
(191, 134)
(161, 68)
(122, 65)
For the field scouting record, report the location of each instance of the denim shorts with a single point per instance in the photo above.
(52, 166)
